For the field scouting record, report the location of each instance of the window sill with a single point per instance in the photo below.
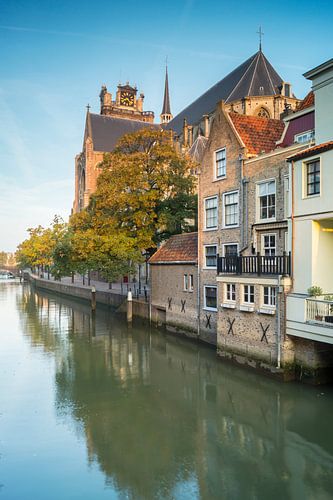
(246, 308)
(264, 221)
(228, 305)
(211, 309)
(230, 227)
(209, 268)
(210, 229)
(310, 196)
(217, 179)
(268, 310)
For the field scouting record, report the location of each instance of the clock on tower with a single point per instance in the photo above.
(126, 98)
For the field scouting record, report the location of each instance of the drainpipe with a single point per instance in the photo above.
(278, 321)
(292, 180)
(199, 258)
(244, 208)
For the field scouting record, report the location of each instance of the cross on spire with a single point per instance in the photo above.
(260, 33)
(88, 107)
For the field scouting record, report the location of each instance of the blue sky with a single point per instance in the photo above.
(55, 55)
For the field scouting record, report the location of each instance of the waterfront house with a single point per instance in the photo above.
(174, 283)
(310, 304)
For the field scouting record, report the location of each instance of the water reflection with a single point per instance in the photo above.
(164, 419)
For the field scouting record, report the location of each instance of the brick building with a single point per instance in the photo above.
(102, 131)
(174, 283)
(244, 265)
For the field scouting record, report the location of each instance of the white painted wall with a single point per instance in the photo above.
(323, 90)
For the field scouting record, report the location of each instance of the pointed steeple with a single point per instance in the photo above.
(166, 115)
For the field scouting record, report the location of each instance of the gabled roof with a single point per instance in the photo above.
(255, 77)
(179, 249)
(197, 149)
(105, 131)
(258, 134)
(320, 148)
(307, 102)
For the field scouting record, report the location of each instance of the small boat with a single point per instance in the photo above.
(6, 275)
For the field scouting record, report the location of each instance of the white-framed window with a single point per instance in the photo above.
(220, 163)
(210, 256)
(211, 213)
(269, 296)
(304, 136)
(230, 249)
(248, 294)
(210, 297)
(230, 292)
(185, 282)
(191, 283)
(268, 244)
(312, 178)
(266, 194)
(286, 192)
(231, 209)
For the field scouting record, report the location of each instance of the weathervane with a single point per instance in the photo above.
(260, 33)
(88, 107)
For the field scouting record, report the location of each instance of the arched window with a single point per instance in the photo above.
(263, 113)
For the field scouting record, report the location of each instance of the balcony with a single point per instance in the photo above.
(255, 264)
(319, 311)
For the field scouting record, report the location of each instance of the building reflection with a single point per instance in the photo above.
(161, 414)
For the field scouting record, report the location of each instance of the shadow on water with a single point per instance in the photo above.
(163, 418)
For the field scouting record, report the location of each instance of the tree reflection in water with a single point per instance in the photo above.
(164, 418)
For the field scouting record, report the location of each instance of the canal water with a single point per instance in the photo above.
(93, 409)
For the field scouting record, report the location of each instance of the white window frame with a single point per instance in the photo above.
(258, 197)
(207, 308)
(212, 228)
(308, 136)
(229, 244)
(305, 178)
(245, 302)
(222, 176)
(205, 256)
(224, 225)
(191, 283)
(263, 244)
(232, 292)
(271, 297)
(185, 282)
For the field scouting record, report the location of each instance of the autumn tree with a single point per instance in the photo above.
(146, 190)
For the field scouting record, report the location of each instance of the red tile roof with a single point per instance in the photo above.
(307, 102)
(182, 248)
(258, 134)
(320, 148)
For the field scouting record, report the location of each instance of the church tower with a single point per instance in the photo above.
(166, 115)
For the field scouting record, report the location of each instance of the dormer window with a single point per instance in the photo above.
(304, 137)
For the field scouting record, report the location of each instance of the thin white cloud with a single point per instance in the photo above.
(165, 48)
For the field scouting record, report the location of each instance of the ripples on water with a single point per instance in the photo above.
(91, 408)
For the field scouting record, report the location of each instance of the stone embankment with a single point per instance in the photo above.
(113, 298)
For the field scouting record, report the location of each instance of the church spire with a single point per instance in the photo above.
(166, 115)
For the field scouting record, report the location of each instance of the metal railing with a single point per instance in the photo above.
(255, 264)
(319, 311)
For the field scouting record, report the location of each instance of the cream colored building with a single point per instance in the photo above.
(311, 222)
